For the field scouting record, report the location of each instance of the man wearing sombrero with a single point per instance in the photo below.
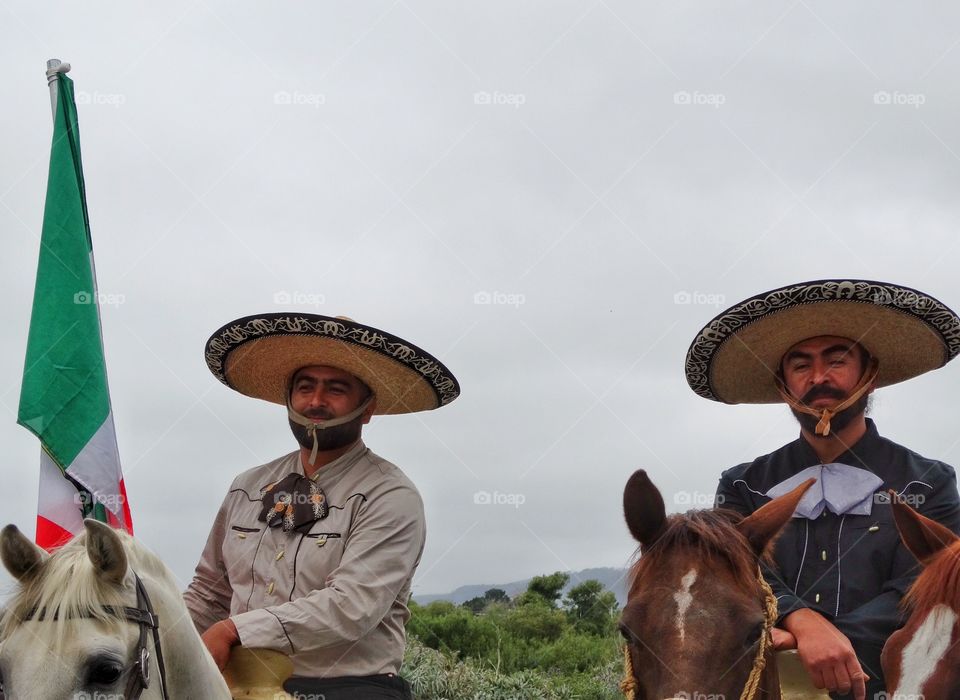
(822, 347)
(312, 554)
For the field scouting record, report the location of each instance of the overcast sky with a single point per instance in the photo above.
(606, 175)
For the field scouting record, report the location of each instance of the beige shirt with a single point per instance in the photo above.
(334, 598)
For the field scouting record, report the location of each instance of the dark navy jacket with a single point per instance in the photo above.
(852, 569)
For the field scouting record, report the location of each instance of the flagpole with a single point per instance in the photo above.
(54, 68)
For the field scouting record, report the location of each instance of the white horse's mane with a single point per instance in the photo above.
(67, 587)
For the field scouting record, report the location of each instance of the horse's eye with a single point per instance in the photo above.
(753, 636)
(626, 633)
(103, 672)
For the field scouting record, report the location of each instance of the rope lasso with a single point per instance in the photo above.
(628, 686)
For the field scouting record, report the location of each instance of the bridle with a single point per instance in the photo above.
(628, 686)
(144, 616)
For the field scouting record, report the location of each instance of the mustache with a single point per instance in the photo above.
(823, 392)
(319, 414)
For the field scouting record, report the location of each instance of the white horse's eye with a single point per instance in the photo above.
(104, 672)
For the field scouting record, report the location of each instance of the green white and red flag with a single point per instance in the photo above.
(64, 399)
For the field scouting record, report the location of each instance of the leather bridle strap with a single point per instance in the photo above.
(143, 616)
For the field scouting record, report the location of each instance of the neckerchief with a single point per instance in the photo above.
(840, 488)
(293, 503)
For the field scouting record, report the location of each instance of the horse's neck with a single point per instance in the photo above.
(190, 670)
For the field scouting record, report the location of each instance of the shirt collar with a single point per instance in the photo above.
(327, 473)
(856, 454)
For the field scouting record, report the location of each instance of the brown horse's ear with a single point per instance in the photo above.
(763, 525)
(643, 508)
(22, 558)
(921, 535)
(105, 550)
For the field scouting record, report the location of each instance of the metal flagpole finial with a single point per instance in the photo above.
(54, 68)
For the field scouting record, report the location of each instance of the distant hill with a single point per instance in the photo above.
(612, 579)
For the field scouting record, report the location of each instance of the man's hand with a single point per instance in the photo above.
(783, 640)
(826, 653)
(220, 638)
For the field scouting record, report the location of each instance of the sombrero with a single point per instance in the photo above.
(735, 357)
(257, 356)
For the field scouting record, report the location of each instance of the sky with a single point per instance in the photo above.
(552, 198)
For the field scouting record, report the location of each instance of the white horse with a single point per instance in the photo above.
(85, 624)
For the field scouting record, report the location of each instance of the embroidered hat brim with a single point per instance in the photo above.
(735, 357)
(257, 356)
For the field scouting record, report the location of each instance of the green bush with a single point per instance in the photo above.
(493, 648)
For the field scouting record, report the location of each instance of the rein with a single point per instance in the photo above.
(628, 686)
(144, 616)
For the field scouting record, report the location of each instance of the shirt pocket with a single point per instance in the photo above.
(318, 555)
(240, 544)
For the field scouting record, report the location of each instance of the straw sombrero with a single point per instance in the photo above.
(735, 358)
(257, 356)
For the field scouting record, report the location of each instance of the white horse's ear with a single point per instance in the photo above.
(106, 551)
(22, 558)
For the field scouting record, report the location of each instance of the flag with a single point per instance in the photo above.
(64, 398)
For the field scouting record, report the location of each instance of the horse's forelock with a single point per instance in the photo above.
(67, 588)
(708, 535)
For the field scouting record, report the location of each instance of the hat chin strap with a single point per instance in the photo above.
(826, 414)
(313, 426)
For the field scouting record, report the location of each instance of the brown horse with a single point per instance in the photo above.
(922, 660)
(698, 615)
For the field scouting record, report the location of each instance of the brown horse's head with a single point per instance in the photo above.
(695, 611)
(923, 658)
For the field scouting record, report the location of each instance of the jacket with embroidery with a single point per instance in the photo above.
(852, 569)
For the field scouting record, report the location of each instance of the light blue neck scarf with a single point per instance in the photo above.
(840, 488)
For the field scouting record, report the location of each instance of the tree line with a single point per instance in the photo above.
(540, 644)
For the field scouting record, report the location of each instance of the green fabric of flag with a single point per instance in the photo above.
(64, 398)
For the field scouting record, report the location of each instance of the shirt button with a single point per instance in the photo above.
(270, 590)
(823, 555)
(280, 555)
(816, 598)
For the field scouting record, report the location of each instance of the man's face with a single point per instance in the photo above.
(821, 372)
(325, 393)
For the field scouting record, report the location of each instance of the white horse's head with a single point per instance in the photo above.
(64, 636)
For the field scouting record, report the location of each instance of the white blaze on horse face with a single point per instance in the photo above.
(923, 652)
(684, 597)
